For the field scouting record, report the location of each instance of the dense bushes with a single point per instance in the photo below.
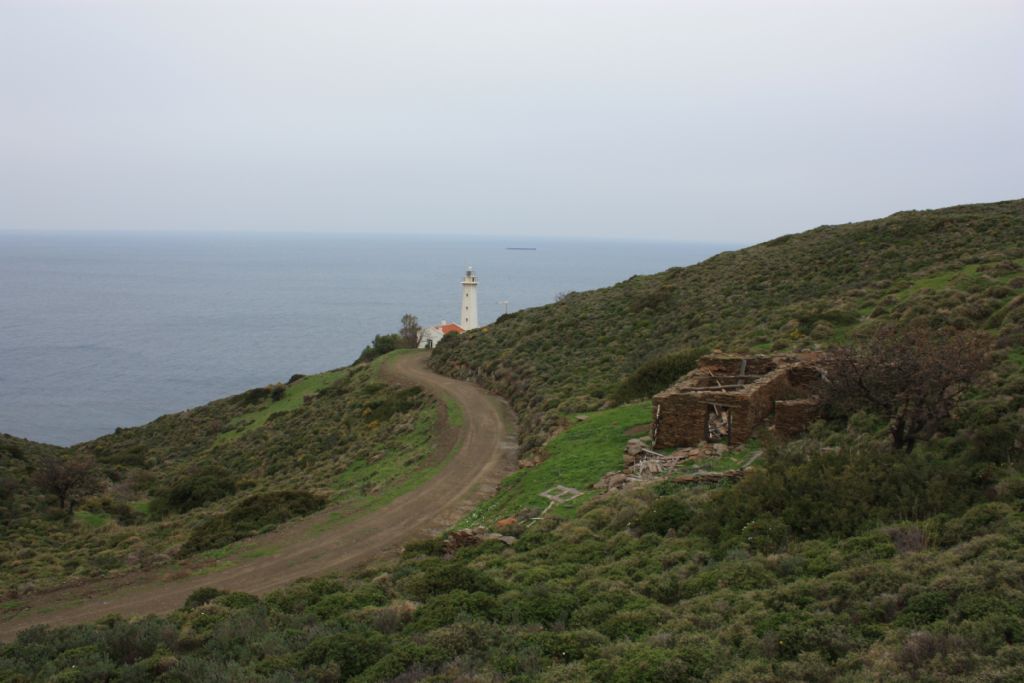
(657, 374)
(390, 401)
(382, 344)
(253, 514)
(873, 606)
(204, 485)
(838, 486)
(435, 577)
(666, 513)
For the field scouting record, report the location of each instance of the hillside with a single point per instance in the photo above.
(171, 491)
(962, 265)
(836, 558)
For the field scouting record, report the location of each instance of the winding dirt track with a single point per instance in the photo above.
(316, 545)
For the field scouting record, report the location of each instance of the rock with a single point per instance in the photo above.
(507, 540)
(634, 447)
(720, 448)
(462, 538)
(612, 480)
(467, 537)
(582, 418)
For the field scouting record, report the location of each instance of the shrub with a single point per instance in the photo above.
(192, 490)
(539, 604)
(351, 651)
(250, 516)
(453, 606)
(201, 596)
(657, 374)
(253, 395)
(664, 514)
(924, 608)
(435, 577)
(382, 344)
(392, 403)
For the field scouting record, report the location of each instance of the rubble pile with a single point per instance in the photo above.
(463, 538)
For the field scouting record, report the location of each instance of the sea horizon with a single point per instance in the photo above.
(104, 329)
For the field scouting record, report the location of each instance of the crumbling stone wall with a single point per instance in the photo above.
(680, 421)
(793, 416)
(753, 388)
(760, 401)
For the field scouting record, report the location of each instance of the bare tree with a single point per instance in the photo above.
(914, 375)
(410, 332)
(70, 479)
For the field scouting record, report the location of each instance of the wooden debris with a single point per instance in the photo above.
(709, 477)
(467, 537)
(561, 494)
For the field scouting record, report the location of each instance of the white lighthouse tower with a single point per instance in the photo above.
(469, 316)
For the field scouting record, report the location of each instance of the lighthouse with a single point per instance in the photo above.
(469, 317)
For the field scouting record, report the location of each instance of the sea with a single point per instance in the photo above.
(107, 330)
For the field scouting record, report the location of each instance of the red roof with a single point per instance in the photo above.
(451, 327)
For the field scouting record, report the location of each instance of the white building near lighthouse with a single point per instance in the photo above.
(469, 312)
(431, 336)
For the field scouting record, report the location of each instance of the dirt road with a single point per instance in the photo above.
(319, 544)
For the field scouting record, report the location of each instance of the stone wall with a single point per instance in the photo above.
(759, 404)
(792, 417)
(680, 421)
(681, 411)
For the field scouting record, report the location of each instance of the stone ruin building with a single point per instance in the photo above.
(727, 396)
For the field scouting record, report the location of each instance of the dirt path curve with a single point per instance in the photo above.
(314, 545)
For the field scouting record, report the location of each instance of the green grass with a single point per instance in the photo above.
(259, 551)
(9, 605)
(358, 506)
(92, 520)
(972, 278)
(293, 397)
(218, 553)
(578, 458)
(940, 281)
(455, 418)
(363, 476)
(366, 486)
(731, 460)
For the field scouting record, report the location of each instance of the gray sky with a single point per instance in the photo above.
(715, 121)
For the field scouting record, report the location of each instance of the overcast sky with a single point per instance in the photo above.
(715, 121)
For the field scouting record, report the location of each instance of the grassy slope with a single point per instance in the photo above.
(577, 458)
(836, 559)
(341, 435)
(294, 394)
(796, 291)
